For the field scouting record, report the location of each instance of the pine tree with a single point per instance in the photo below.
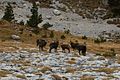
(8, 15)
(114, 7)
(35, 19)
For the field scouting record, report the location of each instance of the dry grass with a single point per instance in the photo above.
(57, 77)
(24, 63)
(70, 70)
(87, 78)
(27, 41)
(4, 73)
(71, 62)
(46, 68)
(106, 70)
(21, 76)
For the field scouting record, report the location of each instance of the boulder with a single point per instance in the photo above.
(15, 37)
(49, 17)
(56, 12)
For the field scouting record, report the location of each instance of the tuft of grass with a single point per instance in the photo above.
(57, 77)
(70, 70)
(106, 70)
(86, 78)
(62, 37)
(71, 62)
(45, 68)
(84, 37)
(21, 76)
(4, 73)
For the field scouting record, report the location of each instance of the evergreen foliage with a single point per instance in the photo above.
(47, 25)
(35, 19)
(8, 15)
(114, 7)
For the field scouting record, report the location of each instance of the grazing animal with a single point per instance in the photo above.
(53, 45)
(73, 45)
(41, 43)
(65, 46)
(80, 47)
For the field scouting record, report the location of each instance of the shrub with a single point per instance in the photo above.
(67, 31)
(21, 22)
(62, 37)
(44, 36)
(113, 51)
(99, 40)
(46, 26)
(84, 37)
(51, 34)
(36, 31)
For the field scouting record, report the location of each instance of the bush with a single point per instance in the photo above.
(99, 40)
(21, 22)
(84, 37)
(46, 26)
(51, 34)
(62, 37)
(113, 51)
(36, 31)
(44, 36)
(67, 31)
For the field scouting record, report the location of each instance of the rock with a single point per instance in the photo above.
(32, 76)
(49, 17)
(30, 70)
(42, 23)
(15, 37)
(37, 3)
(56, 12)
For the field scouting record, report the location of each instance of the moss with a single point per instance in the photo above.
(21, 76)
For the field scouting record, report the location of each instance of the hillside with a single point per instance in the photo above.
(21, 59)
(73, 20)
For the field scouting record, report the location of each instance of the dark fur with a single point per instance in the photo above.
(65, 46)
(54, 45)
(41, 43)
(79, 47)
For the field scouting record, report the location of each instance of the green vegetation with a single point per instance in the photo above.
(46, 26)
(114, 7)
(8, 15)
(62, 36)
(35, 19)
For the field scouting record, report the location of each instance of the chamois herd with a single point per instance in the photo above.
(81, 48)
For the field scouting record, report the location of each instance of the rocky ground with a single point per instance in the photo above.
(29, 64)
(61, 20)
(25, 65)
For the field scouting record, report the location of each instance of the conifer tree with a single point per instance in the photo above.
(35, 19)
(114, 7)
(8, 15)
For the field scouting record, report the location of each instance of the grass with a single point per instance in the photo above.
(106, 70)
(86, 78)
(45, 68)
(70, 70)
(28, 41)
(57, 77)
(24, 63)
(21, 76)
(4, 73)
(71, 62)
